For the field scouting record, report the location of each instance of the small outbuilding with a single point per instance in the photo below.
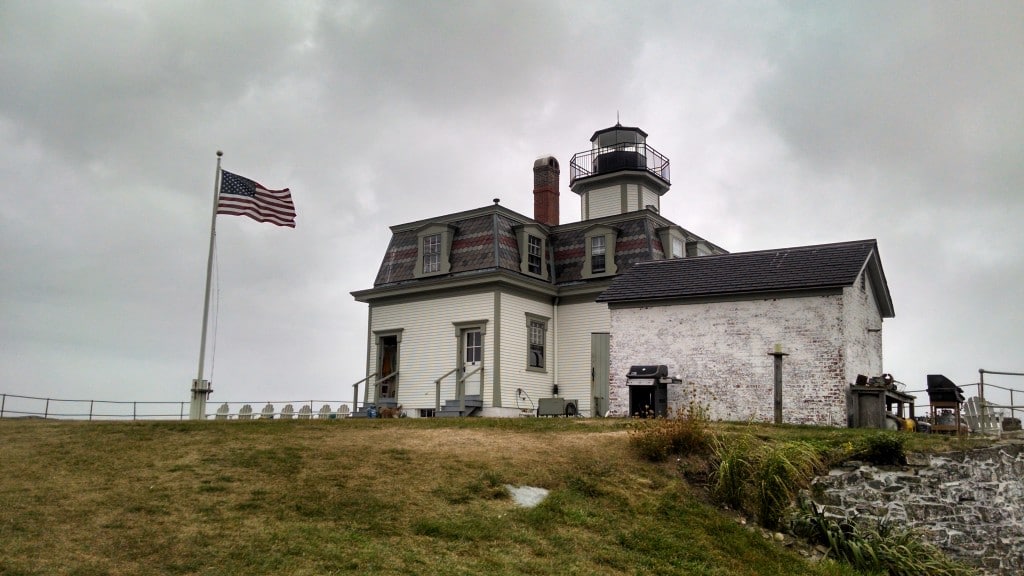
(719, 322)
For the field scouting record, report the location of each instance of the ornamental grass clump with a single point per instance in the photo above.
(730, 478)
(882, 550)
(779, 472)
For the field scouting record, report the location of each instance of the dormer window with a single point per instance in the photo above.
(433, 250)
(597, 252)
(673, 242)
(599, 243)
(533, 258)
(431, 253)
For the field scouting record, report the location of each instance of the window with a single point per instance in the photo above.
(673, 241)
(532, 240)
(537, 330)
(433, 250)
(597, 252)
(474, 345)
(431, 253)
(599, 245)
(677, 247)
(534, 257)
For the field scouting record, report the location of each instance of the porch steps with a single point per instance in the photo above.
(450, 409)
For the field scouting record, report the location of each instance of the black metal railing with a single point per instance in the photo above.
(619, 157)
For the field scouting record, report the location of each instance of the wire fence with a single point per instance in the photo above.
(17, 406)
(984, 391)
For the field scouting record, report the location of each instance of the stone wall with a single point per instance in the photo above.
(969, 504)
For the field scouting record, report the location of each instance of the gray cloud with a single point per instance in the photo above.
(786, 124)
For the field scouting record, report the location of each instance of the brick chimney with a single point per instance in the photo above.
(545, 190)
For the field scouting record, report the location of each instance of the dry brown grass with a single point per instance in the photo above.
(353, 497)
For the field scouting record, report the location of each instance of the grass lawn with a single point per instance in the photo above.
(404, 496)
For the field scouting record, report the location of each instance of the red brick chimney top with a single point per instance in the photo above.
(545, 190)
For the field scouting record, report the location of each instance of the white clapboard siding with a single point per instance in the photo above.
(576, 322)
(604, 202)
(429, 346)
(514, 346)
(650, 198)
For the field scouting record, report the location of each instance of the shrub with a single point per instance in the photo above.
(884, 448)
(685, 433)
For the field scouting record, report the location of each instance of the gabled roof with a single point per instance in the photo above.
(820, 267)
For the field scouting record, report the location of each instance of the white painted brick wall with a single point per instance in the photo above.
(720, 351)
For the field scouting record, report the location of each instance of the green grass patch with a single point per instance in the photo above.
(397, 496)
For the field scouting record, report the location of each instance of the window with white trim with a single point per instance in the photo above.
(599, 245)
(533, 247)
(534, 256)
(474, 346)
(431, 253)
(597, 251)
(536, 342)
(433, 247)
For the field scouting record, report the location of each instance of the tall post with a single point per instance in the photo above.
(778, 354)
(201, 388)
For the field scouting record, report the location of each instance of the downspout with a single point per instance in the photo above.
(554, 318)
(554, 341)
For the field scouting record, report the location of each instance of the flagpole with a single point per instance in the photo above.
(201, 388)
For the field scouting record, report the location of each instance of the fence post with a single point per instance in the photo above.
(134, 410)
(3, 401)
(46, 411)
(91, 402)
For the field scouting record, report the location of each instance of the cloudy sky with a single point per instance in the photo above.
(786, 124)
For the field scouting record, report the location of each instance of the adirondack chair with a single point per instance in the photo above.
(305, 413)
(222, 412)
(245, 413)
(288, 412)
(343, 411)
(981, 417)
(268, 412)
(325, 412)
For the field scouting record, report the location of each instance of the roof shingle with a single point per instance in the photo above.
(784, 269)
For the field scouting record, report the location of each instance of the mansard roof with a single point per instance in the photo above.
(484, 240)
(802, 268)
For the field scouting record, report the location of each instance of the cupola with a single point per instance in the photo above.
(620, 173)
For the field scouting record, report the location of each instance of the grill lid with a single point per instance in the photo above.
(650, 371)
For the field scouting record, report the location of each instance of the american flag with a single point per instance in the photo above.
(243, 197)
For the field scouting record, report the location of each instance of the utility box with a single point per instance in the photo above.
(557, 407)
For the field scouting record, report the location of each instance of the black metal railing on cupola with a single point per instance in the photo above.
(627, 156)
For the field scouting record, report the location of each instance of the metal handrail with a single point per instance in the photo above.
(376, 385)
(437, 389)
(355, 391)
(461, 387)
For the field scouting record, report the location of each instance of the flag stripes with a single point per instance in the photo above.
(240, 196)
